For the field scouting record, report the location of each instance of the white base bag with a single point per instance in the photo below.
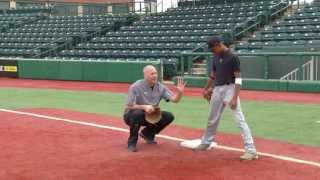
(192, 144)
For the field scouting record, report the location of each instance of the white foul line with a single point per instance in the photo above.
(318, 122)
(285, 158)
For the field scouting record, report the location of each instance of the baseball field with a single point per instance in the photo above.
(74, 130)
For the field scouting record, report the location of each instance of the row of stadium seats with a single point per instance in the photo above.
(28, 45)
(302, 29)
(260, 45)
(201, 16)
(147, 39)
(205, 32)
(298, 16)
(71, 25)
(141, 46)
(216, 21)
(178, 27)
(29, 9)
(39, 34)
(85, 17)
(54, 33)
(87, 20)
(109, 59)
(224, 12)
(141, 54)
(160, 36)
(7, 21)
(285, 36)
(292, 29)
(34, 40)
(54, 30)
(236, 3)
(19, 52)
(294, 22)
(168, 34)
(14, 15)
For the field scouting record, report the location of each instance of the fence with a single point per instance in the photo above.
(80, 70)
(310, 71)
(266, 65)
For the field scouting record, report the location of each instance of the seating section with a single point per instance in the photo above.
(13, 20)
(30, 9)
(9, 21)
(164, 36)
(298, 32)
(161, 36)
(51, 34)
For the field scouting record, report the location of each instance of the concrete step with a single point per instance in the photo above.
(199, 71)
(198, 65)
(198, 74)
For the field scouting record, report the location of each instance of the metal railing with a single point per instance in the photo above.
(309, 71)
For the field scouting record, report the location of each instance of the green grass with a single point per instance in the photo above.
(293, 123)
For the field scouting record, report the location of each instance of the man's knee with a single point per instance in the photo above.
(167, 116)
(137, 114)
(134, 117)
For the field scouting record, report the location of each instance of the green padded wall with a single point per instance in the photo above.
(281, 65)
(50, 69)
(71, 70)
(109, 71)
(38, 69)
(252, 66)
(270, 85)
(95, 71)
(304, 86)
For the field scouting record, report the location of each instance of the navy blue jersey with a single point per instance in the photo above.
(224, 66)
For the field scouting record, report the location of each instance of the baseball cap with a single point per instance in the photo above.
(214, 41)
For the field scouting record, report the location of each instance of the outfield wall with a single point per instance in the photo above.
(106, 71)
(262, 84)
(126, 72)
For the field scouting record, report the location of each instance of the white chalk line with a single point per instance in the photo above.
(284, 158)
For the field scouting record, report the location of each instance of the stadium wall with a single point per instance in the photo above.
(263, 84)
(106, 71)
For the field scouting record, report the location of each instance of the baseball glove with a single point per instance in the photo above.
(154, 116)
(207, 94)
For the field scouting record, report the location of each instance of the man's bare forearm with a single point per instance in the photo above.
(136, 106)
(210, 84)
(177, 97)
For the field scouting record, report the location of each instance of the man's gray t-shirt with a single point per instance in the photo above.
(141, 93)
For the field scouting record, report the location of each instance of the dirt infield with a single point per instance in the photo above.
(312, 98)
(38, 148)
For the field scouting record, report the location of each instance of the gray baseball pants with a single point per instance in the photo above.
(220, 98)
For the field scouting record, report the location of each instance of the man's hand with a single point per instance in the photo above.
(181, 84)
(233, 103)
(148, 108)
(180, 88)
(207, 93)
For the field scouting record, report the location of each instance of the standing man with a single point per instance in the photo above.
(224, 82)
(143, 98)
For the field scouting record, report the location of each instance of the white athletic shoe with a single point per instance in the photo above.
(194, 143)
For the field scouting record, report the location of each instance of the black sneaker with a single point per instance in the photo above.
(148, 140)
(132, 148)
